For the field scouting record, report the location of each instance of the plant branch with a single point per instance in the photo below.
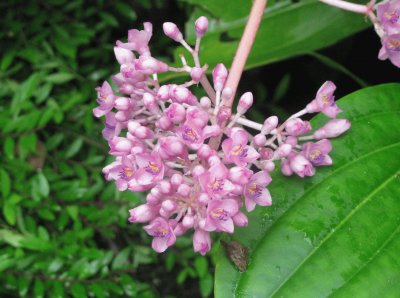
(245, 45)
(357, 8)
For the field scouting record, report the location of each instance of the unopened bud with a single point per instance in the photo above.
(332, 129)
(269, 124)
(245, 102)
(219, 74)
(196, 73)
(172, 31)
(201, 26)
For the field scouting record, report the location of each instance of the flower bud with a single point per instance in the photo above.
(201, 26)
(205, 103)
(201, 241)
(142, 213)
(152, 200)
(150, 103)
(240, 219)
(184, 190)
(245, 102)
(291, 140)
(285, 168)
(188, 221)
(297, 127)
(176, 113)
(223, 115)
(165, 187)
(126, 88)
(176, 179)
(172, 31)
(123, 56)
(198, 170)
(132, 126)
(122, 103)
(269, 124)
(143, 133)
(259, 140)
(284, 150)
(332, 129)
(179, 230)
(196, 73)
(164, 123)
(163, 93)
(268, 165)
(203, 198)
(204, 152)
(219, 74)
(121, 116)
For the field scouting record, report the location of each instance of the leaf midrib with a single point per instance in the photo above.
(337, 227)
(238, 282)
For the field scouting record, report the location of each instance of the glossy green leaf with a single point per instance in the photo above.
(336, 234)
(288, 29)
(59, 78)
(5, 183)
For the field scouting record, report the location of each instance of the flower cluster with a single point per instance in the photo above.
(195, 158)
(387, 26)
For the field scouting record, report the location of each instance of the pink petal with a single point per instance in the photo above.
(159, 244)
(264, 199)
(226, 225)
(249, 203)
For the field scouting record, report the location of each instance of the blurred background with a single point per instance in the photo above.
(63, 229)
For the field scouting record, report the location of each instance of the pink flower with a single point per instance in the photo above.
(194, 135)
(215, 182)
(317, 153)
(296, 127)
(324, 101)
(236, 150)
(255, 191)
(163, 234)
(150, 171)
(138, 40)
(391, 49)
(388, 13)
(201, 241)
(300, 165)
(219, 215)
(121, 171)
(105, 98)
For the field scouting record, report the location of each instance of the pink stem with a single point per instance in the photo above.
(249, 34)
(358, 8)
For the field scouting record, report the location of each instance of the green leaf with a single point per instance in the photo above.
(206, 285)
(122, 259)
(38, 289)
(78, 290)
(9, 148)
(337, 233)
(7, 60)
(5, 183)
(59, 78)
(74, 148)
(23, 286)
(10, 212)
(288, 29)
(126, 10)
(109, 19)
(201, 265)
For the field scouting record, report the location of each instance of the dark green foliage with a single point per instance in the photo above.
(63, 228)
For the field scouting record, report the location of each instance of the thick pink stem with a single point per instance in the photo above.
(358, 8)
(249, 34)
